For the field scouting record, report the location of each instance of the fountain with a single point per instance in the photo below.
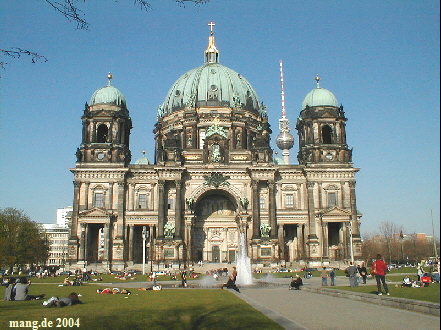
(243, 264)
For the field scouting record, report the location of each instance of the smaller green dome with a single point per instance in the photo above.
(108, 95)
(319, 97)
(143, 160)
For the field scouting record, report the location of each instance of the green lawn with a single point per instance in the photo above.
(166, 309)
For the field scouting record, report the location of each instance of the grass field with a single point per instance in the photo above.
(166, 309)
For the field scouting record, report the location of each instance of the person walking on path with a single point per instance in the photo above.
(351, 272)
(379, 268)
(324, 277)
(332, 276)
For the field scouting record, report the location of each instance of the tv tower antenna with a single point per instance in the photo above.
(284, 140)
(282, 90)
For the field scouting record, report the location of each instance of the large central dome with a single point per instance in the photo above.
(211, 84)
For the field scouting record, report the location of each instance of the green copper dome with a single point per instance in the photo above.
(319, 97)
(108, 95)
(211, 84)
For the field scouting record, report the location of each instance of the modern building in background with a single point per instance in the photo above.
(62, 220)
(58, 243)
(214, 177)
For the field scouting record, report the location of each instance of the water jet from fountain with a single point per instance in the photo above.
(243, 264)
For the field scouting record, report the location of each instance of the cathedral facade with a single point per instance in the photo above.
(214, 177)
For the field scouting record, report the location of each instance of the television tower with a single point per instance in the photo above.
(285, 139)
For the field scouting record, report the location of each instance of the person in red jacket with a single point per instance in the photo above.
(379, 268)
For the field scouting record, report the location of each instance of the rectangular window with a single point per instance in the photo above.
(169, 253)
(289, 201)
(201, 138)
(99, 200)
(171, 204)
(142, 201)
(262, 204)
(332, 199)
(265, 252)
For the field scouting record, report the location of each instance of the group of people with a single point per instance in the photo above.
(379, 269)
(17, 289)
(113, 291)
(422, 282)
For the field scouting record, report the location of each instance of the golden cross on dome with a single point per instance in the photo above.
(211, 25)
(317, 79)
(109, 77)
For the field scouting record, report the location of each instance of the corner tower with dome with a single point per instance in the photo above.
(212, 178)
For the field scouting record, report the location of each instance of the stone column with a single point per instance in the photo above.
(255, 212)
(75, 209)
(120, 207)
(354, 220)
(178, 210)
(107, 254)
(86, 196)
(130, 243)
(161, 208)
(132, 197)
(282, 243)
(325, 244)
(311, 211)
(272, 209)
(83, 242)
(110, 203)
(313, 244)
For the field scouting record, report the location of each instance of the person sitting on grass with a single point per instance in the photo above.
(10, 292)
(425, 280)
(70, 300)
(113, 291)
(66, 282)
(407, 282)
(21, 291)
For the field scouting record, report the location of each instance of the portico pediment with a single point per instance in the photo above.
(95, 212)
(336, 211)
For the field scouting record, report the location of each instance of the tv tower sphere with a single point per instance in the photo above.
(285, 140)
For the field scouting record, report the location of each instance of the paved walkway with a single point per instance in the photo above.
(306, 309)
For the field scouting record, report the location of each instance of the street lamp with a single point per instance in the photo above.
(351, 248)
(402, 250)
(144, 238)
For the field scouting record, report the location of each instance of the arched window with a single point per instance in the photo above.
(327, 134)
(101, 134)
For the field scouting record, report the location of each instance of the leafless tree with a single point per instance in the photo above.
(72, 11)
(388, 230)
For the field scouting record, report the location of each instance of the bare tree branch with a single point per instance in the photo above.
(69, 10)
(17, 52)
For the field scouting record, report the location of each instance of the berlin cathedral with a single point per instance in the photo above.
(214, 178)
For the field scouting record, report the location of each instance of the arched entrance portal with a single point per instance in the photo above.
(215, 233)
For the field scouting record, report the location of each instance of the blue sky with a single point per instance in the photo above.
(379, 58)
